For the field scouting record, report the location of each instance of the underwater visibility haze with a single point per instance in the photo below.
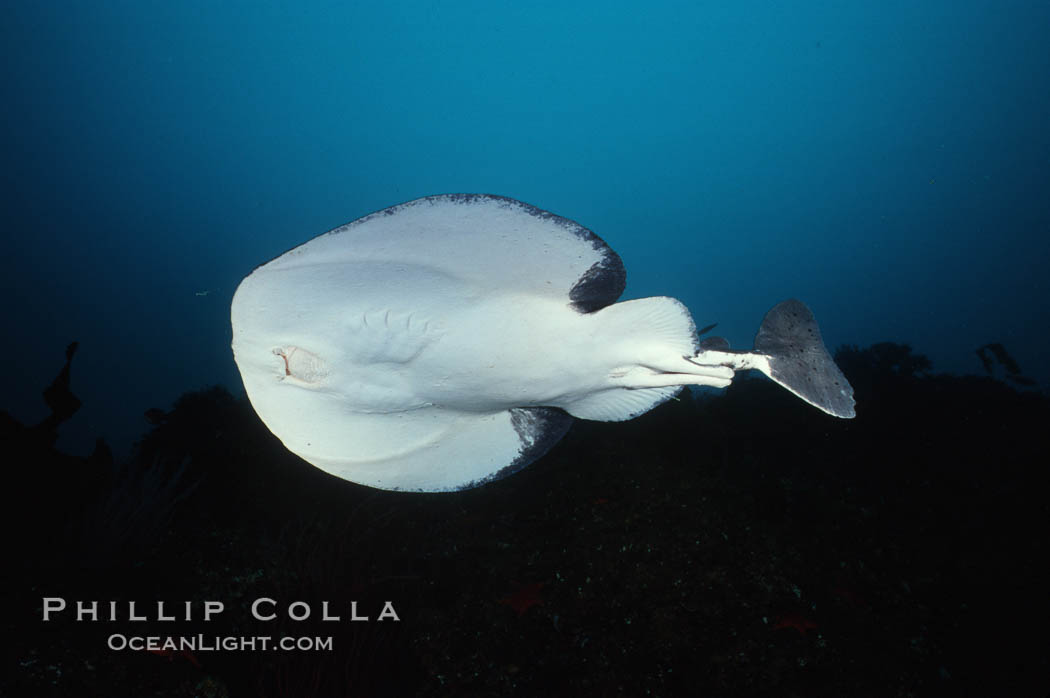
(884, 164)
(682, 165)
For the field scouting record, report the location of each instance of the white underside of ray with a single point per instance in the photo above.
(404, 350)
(416, 395)
(391, 352)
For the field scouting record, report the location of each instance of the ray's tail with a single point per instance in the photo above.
(799, 361)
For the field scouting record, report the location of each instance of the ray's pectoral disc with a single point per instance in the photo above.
(449, 341)
(413, 348)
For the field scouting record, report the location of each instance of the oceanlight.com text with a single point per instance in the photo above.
(215, 643)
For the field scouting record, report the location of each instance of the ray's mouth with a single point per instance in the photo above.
(301, 364)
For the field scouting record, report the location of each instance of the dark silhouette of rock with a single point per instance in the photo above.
(995, 354)
(60, 399)
(670, 549)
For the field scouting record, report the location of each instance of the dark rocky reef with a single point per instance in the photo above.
(736, 544)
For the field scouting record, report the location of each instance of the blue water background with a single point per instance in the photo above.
(887, 162)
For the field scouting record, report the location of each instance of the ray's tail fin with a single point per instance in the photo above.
(799, 361)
